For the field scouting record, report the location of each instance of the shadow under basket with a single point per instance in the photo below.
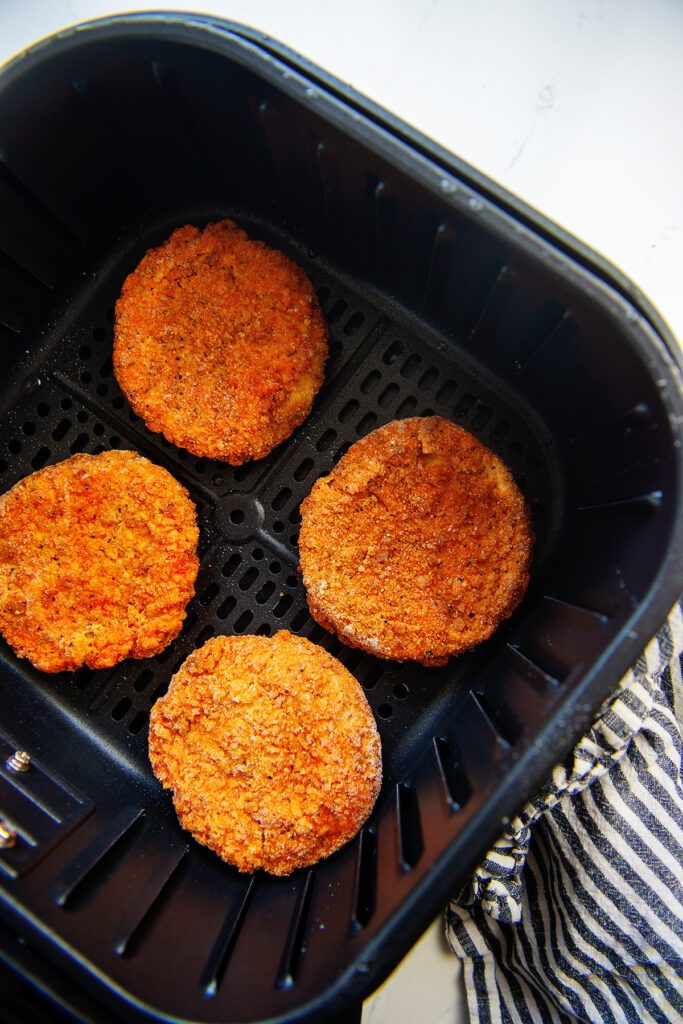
(443, 295)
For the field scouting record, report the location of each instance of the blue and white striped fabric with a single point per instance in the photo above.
(577, 912)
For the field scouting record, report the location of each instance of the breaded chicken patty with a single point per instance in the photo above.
(219, 343)
(98, 559)
(417, 544)
(270, 749)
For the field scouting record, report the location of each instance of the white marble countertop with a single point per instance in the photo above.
(576, 107)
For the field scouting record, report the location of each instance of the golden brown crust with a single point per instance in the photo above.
(98, 558)
(219, 343)
(270, 749)
(417, 544)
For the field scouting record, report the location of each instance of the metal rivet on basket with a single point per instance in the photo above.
(20, 761)
(8, 836)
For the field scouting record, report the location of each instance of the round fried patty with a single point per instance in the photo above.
(417, 544)
(219, 343)
(270, 749)
(97, 561)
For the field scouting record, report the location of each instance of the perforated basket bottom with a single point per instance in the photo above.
(383, 365)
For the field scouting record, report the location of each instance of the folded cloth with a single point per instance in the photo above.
(576, 914)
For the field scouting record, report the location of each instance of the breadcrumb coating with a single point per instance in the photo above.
(219, 343)
(98, 559)
(417, 544)
(270, 748)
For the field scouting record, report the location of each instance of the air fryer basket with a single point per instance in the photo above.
(442, 295)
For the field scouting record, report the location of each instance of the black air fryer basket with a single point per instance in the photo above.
(443, 295)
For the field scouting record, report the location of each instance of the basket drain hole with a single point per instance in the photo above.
(239, 517)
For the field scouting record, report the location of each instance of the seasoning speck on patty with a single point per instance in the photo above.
(417, 544)
(219, 343)
(270, 749)
(98, 559)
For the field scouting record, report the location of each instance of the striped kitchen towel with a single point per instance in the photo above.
(576, 914)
